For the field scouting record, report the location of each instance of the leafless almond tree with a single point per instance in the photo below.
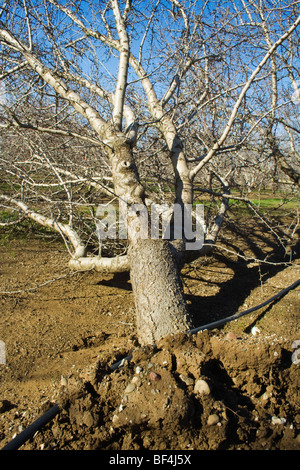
(133, 101)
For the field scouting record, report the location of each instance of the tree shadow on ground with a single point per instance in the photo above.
(119, 280)
(238, 405)
(246, 276)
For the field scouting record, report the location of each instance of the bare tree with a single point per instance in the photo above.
(278, 129)
(131, 101)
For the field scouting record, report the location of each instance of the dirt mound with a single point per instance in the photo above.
(228, 388)
(205, 392)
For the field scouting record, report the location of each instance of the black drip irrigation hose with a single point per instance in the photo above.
(245, 312)
(21, 438)
(40, 422)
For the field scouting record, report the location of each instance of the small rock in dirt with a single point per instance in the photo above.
(255, 331)
(202, 387)
(265, 396)
(63, 381)
(137, 381)
(231, 336)
(130, 388)
(187, 380)
(154, 376)
(277, 420)
(213, 419)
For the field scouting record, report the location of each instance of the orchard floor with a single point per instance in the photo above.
(226, 388)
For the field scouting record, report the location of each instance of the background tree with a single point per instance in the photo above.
(143, 102)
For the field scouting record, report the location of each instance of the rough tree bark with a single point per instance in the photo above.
(158, 292)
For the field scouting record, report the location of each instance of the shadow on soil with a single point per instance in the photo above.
(246, 276)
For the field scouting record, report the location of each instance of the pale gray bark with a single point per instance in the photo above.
(119, 97)
(118, 264)
(64, 229)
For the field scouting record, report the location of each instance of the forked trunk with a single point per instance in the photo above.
(158, 292)
(160, 305)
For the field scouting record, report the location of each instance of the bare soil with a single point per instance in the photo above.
(227, 388)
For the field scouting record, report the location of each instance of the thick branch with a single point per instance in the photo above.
(96, 121)
(117, 264)
(59, 227)
(119, 97)
(131, 131)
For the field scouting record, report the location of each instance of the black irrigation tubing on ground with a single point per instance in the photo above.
(29, 432)
(245, 312)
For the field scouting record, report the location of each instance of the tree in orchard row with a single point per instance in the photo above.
(140, 102)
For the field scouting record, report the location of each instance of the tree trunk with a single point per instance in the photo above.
(158, 292)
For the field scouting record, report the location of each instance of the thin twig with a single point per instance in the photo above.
(22, 291)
